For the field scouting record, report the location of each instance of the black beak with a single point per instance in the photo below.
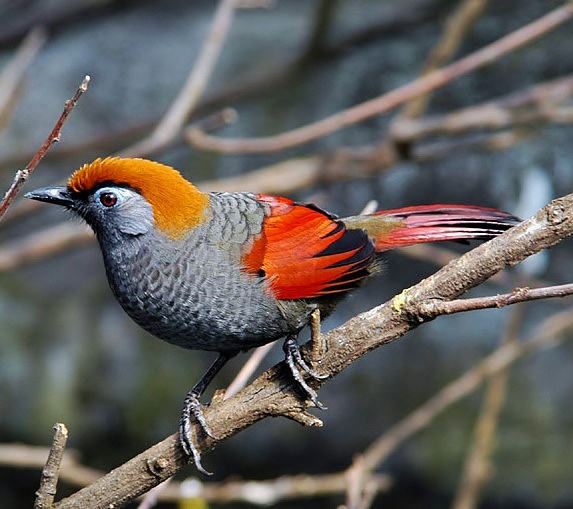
(58, 195)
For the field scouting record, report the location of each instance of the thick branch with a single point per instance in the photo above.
(272, 393)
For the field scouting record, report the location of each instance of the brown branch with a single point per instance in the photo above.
(533, 105)
(385, 102)
(170, 125)
(54, 136)
(48, 483)
(432, 308)
(271, 393)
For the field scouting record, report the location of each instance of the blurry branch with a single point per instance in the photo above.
(535, 102)
(361, 491)
(477, 468)
(29, 456)
(54, 136)
(548, 334)
(456, 28)
(49, 480)
(248, 369)
(151, 498)
(13, 73)
(271, 393)
(323, 18)
(170, 125)
(531, 106)
(258, 492)
(45, 243)
(389, 100)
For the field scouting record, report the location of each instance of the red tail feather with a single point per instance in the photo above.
(431, 223)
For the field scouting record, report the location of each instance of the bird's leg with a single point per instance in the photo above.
(192, 408)
(294, 360)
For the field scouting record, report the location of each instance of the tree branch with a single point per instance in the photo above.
(385, 102)
(273, 393)
(50, 473)
(54, 136)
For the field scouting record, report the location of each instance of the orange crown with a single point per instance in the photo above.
(178, 206)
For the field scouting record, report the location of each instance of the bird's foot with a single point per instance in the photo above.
(192, 409)
(295, 361)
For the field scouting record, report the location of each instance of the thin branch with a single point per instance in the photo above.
(386, 102)
(151, 498)
(54, 136)
(170, 126)
(249, 367)
(48, 483)
(438, 308)
(44, 243)
(532, 105)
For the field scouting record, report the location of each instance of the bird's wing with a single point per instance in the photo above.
(302, 252)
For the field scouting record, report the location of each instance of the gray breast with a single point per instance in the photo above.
(193, 293)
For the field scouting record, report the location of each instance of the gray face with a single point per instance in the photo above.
(115, 212)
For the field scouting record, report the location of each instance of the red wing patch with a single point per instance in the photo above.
(305, 253)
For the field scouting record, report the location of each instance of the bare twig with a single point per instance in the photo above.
(261, 492)
(170, 126)
(360, 491)
(437, 308)
(48, 483)
(386, 102)
(267, 493)
(54, 136)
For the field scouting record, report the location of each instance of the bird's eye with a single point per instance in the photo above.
(108, 199)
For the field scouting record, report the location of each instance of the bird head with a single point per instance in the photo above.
(121, 197)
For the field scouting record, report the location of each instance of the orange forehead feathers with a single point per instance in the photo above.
(178, 206)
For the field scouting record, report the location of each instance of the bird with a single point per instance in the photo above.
(230, 271)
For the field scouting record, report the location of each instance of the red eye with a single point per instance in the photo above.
(108, 199)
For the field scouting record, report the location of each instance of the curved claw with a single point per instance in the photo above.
(193, 408)
(294, 359)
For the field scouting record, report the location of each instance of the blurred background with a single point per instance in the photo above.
(500, 136)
